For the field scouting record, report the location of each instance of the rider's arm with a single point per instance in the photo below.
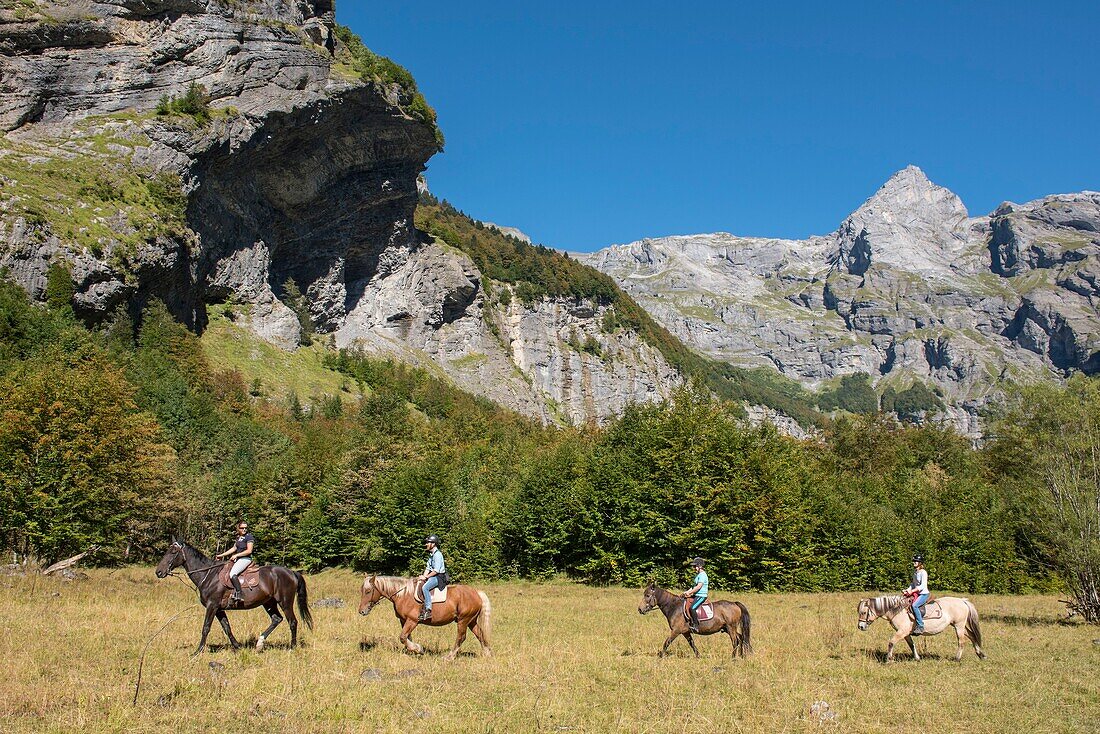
(246, 552)
(693, 589)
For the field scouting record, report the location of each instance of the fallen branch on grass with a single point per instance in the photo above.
(69, 562)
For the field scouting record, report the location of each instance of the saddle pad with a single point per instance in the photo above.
(931, 610)
(437, 595)
(705, 612)
(249, 578)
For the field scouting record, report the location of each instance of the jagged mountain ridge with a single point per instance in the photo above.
(908, 287)
(303, 168)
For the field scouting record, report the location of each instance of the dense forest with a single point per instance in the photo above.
(117, 436)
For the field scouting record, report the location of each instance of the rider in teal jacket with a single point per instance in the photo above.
(700, 591)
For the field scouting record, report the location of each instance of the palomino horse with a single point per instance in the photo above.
(276, 588)
(956, 612)
(465, 606)
(731, 617)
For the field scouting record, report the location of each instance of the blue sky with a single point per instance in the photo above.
(591, 123)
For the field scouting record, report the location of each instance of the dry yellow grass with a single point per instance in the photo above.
(568, 659)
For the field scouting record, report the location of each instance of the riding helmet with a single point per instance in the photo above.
(434, 539)
(918, 558)
(697, 561)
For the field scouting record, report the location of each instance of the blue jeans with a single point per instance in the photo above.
(917, 604)
(428, 586)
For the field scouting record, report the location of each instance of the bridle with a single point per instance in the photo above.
(178, 560)
(867, 613)
(374, 587)
(649, 598)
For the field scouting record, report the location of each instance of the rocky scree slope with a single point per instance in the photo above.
(205, 151)
(908, 288)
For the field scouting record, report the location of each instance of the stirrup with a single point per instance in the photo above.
(425, 616)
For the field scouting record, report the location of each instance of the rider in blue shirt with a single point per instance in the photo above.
(433, 570)
(700, 591)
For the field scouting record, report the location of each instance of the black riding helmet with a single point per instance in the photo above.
(434, 539)
(697, 562)
(918, 558)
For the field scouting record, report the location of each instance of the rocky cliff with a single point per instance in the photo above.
(202, 151)
(908, 288)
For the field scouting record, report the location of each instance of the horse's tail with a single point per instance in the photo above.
(973, 629)
(483, 620)
(746, 629)
(303, 600)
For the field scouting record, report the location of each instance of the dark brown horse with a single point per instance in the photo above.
(731, 617)
(276, 588)
(465, 606)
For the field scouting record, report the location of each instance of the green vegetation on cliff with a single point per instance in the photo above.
(355, 59)
(90, 194)
(536, 272)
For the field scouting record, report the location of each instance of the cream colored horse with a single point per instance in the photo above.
(958, 613)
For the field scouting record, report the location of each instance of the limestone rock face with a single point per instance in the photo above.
(908, 287)
(304, 172)
(431, 308)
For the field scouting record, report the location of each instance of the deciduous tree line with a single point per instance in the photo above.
(120, 435)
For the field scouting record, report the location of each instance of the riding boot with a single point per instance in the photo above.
(238, 595)
(425, 615)
(694, 626)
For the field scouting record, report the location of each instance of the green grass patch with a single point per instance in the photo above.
(470, 360)
(229, 345)
(93, 195)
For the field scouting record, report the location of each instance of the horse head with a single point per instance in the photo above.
(173, 558)
(370, 596)
(867, 614)
(649, 599)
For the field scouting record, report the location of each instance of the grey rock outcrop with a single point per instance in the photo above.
(304, 172)
(908, 288)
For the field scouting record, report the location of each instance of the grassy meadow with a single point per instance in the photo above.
(568, 658)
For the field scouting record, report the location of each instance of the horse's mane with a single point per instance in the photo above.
(885, 604)
(391, 583)
(192, 549)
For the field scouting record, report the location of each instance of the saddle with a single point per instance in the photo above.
(931, 609)
(438, 595)
(705, 611)
(249, 578)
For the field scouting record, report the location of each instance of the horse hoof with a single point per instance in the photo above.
(260, 645)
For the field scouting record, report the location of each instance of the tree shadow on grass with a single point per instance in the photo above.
(904, 656)
(1029, 620)
(249, 643)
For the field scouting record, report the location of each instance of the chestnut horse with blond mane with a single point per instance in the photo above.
(465, 606)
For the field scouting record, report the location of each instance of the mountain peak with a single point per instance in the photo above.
(909, 222)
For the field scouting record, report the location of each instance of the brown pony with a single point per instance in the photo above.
(465, 606)
(731, 617)
(277, 588)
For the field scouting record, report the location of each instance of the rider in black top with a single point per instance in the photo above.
(241, 556)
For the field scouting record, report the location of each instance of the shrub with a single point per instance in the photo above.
(195, 103)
